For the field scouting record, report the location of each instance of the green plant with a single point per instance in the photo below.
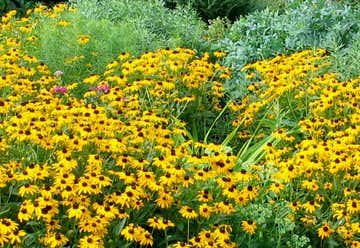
(346, 61)
(78, 46)
(209, 10)
(19, 5)
(230, 9)
(179, 27)
(301, 25)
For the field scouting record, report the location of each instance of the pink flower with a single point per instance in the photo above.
(60, 89)
(104, 88)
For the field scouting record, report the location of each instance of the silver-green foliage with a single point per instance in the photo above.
(346, 61)
(211, 9)
(301, 25)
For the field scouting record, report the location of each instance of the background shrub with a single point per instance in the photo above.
(346, 61)
(58, 45)
(301, 25)
(215, 8)
(231, 9)
(180, 27)
(113, 27)
(22, 5)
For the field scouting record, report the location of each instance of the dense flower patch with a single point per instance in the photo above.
(107, 161)
(315, 162)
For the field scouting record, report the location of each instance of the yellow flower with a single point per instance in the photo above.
(249, 226)
(353, 206)
(204, 196)
(28, 189)
(160, 223)
(276, 187)
(188, 213)
(129, 232)
(63, 23)
(54, 240)
(83, 39)
(164, 199)
(219, 54)
(325, 231)
(310, 206)
(15, 238)
(205, 211)
(26, 211)
(91, 79)
(91, 241)
(77, 211)
(123, 56)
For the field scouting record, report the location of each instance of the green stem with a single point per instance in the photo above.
(246, 146)
(188, 230)
(166, 238)
(232, 134)
(291, 108)
(278, 241)
(216, 119)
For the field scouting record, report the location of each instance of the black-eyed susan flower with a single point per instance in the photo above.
(325, 231)
(54, 239)
(188, 213)
(249, 226)
(353, 206)
(129, 232)
(180, 244)
(83, 39)
(310, 206)
(204, 196)
(276, 187)
(16, 237)
(160, 223)
(205, 210)
(219, 54)
(164, 199)
(91, 241)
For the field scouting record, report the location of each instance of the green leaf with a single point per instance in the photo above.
(117, 229)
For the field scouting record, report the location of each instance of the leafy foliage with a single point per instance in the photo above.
(102, 149)
(303, 24)
(215, 8)
(61, 44)
(172, 28)
(20, 5)
(230, 9)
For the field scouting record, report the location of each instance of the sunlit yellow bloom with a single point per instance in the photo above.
(83, 39)
(249, 226)
(188, 213)
(325, 231)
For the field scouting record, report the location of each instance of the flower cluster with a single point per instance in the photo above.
(107, 161)
(318, 151)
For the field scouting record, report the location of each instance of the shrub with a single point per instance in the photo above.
(108, 161)
(230, 9)
(209, 10)
(346, 61)
(78, 45)
(303, 24)
(20, 6)
(180, 27)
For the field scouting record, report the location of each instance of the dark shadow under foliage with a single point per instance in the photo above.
(209, 10)
(22, 5)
